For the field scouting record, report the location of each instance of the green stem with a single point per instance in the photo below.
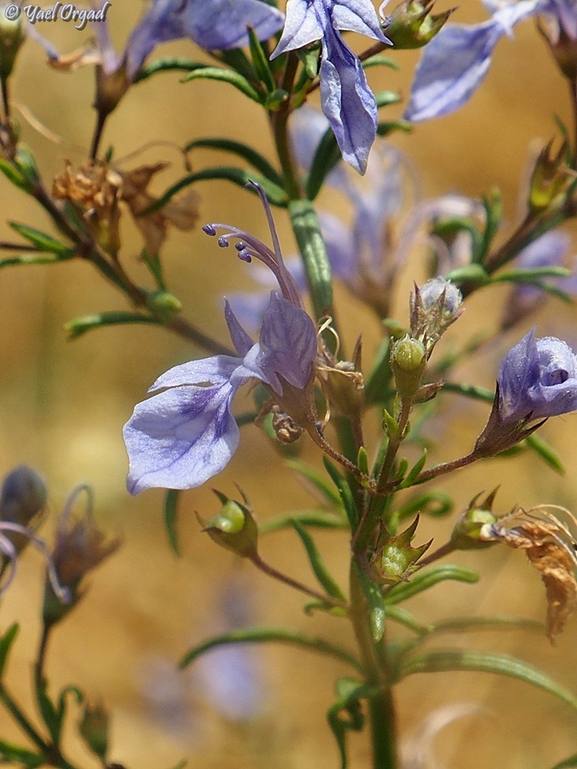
(279, 122)
(382, 718)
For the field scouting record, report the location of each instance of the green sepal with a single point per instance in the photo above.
(312, 247)
(470, 273)
(168, 64)
(345, 493)
(317, 563)
(84, 323)
(170, 518)
(274, 635)
(486, 662)
(6, 644)
(260, 61)
(313, 476)
(42, 241)
(320, 519)
(427, 578)
(13, 754)
(346, 714)
(243, 151)
(13, 175)
(226, 76)
(239, 176)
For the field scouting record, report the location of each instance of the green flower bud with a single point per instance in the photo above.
(11, 38)
(413, 25)
(394, 557)
(467, 532)
(551, 180)
(408, 361)
(164, 304)
(234, 528)
(94, 728)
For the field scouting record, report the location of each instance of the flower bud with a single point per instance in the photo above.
(234, 528)
(413, 25)
(551, 180)
(408, 361)
(22, 498)
(163, 303)
(94, 728)
(11, 38)
(434, 307)
(394, 556)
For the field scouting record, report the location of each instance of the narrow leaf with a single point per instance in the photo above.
(13, 754)
(501, 664)
(345, 493)
(42, 241)
(546, 452)
(260, 61)
(433, 503)
(423, 580)
(567, 763)
(168, 64)
(346, 714)
(326, 157)
(25, 259)
(317, 480)
(79, 326)
(317, 563)
(6, 644)
(275, 635)
(226, 76)
(414, 471)
(243, 151)
(12, 174)
(170, 517)
(320, 519)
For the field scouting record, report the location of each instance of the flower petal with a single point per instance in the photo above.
(215, 371)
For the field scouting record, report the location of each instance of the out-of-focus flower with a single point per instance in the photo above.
(537, 379)
(458, 58)
(347, 101)
(550, 250)
(211, 24)
(187, 434)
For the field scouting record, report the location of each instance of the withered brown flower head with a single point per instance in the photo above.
(550, 547)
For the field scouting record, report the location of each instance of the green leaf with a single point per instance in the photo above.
(345, 493)
(317, 563)
(6, 644)
(546, 452)
(530, 274)
(13, 175)
(241, 177)
(168, 64)
(13, 754)
(326, 157)
(260, 61)
(320, 519)
(25, 259)
(318, 481)
(226, 76)
(403, 617)
(42, 241)
(469, 391)
(427, 578)
(81, 325)
(384, 98)
(243, 151)
(170, 517)
(346, 714)
(493, 206)
(470, 273)
(433, 503)
(378, 60)
(501, 664)
(568, 762)
(414, 471)
(386, 127)
(274, 635)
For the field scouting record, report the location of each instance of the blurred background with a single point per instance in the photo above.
(63, 405)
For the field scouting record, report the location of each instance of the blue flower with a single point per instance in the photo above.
(187, 433)
(456, 61)
(347, 101)
(537, 379)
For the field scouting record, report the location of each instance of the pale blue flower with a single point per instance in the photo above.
(347, 101)
(456, 61)
(537, 379)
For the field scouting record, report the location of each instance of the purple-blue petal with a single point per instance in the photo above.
(347, 101)
(180, 438)
(537, 379)
(215, 371)
(288, 344)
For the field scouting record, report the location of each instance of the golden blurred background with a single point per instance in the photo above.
(63, 405)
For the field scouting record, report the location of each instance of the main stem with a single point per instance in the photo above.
(382, 718)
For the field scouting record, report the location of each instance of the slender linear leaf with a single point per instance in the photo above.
(317, 563)
(170, 518)
(378, 60)
(317, 480)
(320, 519)
(226, 76)
(427, 578)
(13, 754)
(6, 644)
(274, 635)
(42, 241)
(546, 452)
(238, 176)
(247, 153)
(327, 155)
(81, 325)
(433, 503)
(346, 713)
(26, 259)
(500, 664)
(168, 64)
(568, 762)
(12, 174)
(345, 493)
